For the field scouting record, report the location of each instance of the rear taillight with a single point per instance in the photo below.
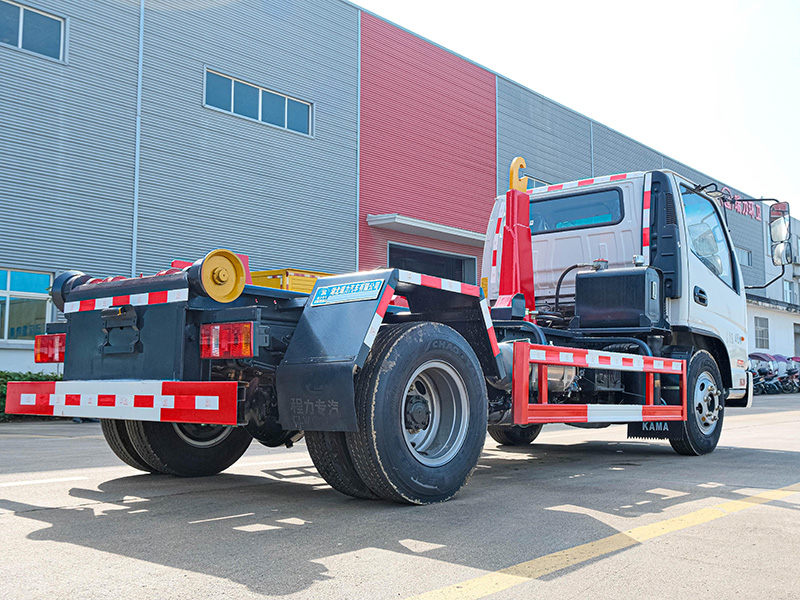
(49, 348)
(226, 340)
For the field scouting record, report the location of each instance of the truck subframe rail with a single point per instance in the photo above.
(525, 412)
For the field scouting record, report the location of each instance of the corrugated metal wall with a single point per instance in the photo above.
(67, 144)
(427, 138)
(553, 140)
(747, 232)
(615, 153)
(561, 145)
(429, 145)
(211, 179)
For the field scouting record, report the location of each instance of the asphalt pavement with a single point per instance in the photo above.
(580, 514)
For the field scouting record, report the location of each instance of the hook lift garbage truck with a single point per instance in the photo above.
(187, 367)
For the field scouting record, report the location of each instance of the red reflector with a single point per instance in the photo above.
(49, 348)
(226, 340)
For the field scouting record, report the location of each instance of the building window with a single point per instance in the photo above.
(24, 304)
(257, 103)
(745, 257)
(762, 332)
(31, 30)
(789, 294)
(534, 183)
(437, 264)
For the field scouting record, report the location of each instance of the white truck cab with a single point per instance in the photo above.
(657, 219)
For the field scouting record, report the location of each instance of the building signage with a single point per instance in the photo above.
(735, 203)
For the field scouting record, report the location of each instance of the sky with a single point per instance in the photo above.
(713, 84)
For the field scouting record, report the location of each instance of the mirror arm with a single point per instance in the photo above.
(761, 287)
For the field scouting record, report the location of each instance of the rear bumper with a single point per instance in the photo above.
(209, 402)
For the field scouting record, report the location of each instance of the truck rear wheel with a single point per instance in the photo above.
(329, 453)
(704, 397)
(422, 409)
(516, 435)
(186, 449)
(116, 434)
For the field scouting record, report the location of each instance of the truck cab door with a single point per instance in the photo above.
(714, 290)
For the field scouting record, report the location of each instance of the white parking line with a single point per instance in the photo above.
(222, 518)
(38, 481)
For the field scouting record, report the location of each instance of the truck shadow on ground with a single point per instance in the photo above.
(278, 534)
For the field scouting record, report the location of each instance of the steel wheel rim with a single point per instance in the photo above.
(201, 436)
(439, 386)
(707, 403)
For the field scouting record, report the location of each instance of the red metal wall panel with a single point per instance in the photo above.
(427, 139)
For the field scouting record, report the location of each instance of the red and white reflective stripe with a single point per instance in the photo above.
(648, 185)
(487, 320)
(144, 299)
(493, 276)
(439, 283)
(601, 413)
(580, 183)
(213, 402)
(555, 355)
(377, 318)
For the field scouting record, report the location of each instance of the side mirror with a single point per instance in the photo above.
(703, 241)
(781, 254)
(779, 226)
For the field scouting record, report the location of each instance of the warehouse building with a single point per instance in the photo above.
(307, 134)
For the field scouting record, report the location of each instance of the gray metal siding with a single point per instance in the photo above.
(616, 153)
(554, 140)
(747, 233)
(66, 144)
(210, 179)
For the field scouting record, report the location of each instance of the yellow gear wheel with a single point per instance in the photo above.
(222, 275)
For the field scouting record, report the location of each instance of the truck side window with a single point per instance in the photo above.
(580, 211)
(706, 235)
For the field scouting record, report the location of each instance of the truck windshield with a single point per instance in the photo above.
(706, 235)
(591, 209)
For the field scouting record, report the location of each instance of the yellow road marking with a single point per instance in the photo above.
(491, 583)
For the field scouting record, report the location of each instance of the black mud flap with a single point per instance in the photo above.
(315, 380)
(658, 430)
(333, 337)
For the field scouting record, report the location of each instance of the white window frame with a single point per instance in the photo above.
(789, 290)
(761, 332)
(748, 253)
(260, 88)
(62, 46)
(5, 299)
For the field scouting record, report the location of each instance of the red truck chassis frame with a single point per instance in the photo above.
(543, 357)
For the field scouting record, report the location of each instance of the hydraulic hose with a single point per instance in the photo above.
(561, 279)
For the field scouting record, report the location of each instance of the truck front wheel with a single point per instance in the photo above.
(705, 404)
(186, 449)
(422, 408)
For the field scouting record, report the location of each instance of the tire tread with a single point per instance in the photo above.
(159, 445)
(332, 459)
(684, 445)
(116, 434)
(515, 435)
